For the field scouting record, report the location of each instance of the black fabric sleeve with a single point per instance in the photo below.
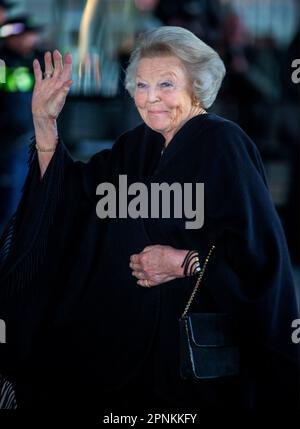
(56, 198)
(36, 248)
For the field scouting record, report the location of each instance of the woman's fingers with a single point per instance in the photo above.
(48, 63)
(37, 71)
(60, 70)
(67, 67)
(135, 267)
(148, 248)
(139, 274)
(146, 283)
(50, 94)
(63, 90)
(142, 279)
(58, 65)
(59, 98)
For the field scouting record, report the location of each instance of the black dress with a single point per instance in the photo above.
(78, 324)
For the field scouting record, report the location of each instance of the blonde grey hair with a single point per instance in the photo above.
(203, 65)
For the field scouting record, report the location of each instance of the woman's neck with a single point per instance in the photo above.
(169, 136)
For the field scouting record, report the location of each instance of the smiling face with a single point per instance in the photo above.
(163, 95)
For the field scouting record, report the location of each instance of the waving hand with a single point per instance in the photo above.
(52, 87)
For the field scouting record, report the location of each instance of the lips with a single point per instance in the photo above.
(157, 112)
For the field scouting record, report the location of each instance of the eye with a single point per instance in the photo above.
(166, 84)
(141, 85)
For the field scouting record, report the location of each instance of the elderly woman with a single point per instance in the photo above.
(91, 292)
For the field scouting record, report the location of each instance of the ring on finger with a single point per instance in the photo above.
(48, 75)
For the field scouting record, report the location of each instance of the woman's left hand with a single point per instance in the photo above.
(157, 264)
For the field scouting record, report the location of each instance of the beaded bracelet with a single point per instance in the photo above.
(44, 149)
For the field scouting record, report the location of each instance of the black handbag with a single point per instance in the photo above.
(207, 343)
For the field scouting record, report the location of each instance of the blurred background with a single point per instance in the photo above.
(257, 39)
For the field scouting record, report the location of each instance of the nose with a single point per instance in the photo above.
(153, 94)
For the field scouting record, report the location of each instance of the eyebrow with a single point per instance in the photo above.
(163, 74)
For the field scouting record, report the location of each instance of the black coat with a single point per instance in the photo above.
(72, 306)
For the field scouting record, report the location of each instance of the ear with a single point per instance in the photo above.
(195, 101)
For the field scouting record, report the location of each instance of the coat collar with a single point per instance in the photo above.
(180, 142)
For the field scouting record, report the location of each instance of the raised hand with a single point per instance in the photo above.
(51, 89)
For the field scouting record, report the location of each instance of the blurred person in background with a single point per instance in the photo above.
(203, 18)
(4, 8)
(20, 39)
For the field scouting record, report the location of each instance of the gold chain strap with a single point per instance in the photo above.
(198, 282)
